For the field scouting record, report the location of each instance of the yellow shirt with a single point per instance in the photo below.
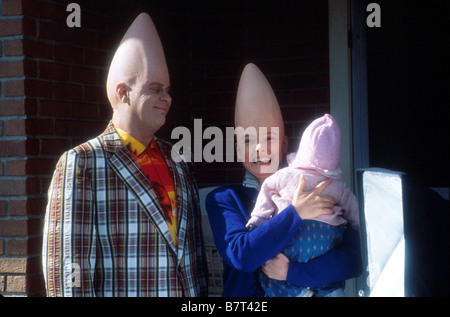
(153, 165)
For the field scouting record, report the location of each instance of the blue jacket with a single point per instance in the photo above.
(243, 251)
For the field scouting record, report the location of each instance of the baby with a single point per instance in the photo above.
(317, 159)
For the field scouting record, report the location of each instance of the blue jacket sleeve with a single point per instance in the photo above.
(240, 248)
(341, 263)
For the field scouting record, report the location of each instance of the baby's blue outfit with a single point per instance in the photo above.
(312, 240)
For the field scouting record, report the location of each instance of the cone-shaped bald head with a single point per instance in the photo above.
(140, 55)
(260, 138)
(256, 104)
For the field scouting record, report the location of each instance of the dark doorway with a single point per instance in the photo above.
(408, 85)
(408, 103)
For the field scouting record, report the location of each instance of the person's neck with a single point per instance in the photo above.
(145, 137)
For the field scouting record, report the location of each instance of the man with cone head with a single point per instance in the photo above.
(123, 219)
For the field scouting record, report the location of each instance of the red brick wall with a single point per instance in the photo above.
(52, 94)
(18, 226)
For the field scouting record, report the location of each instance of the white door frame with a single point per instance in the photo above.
(340, 82)
(348, 89)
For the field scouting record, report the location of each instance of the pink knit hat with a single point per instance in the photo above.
(320, 148)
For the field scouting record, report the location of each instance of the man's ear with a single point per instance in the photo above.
(123, 92)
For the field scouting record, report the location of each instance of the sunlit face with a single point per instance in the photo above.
(261, 150)
(150, 102)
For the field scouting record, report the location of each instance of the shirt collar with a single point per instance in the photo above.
(251, 181)
(130, 142)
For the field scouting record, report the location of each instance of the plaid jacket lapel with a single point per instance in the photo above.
(126, 168)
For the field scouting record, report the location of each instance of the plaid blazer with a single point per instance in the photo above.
(105, 233)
